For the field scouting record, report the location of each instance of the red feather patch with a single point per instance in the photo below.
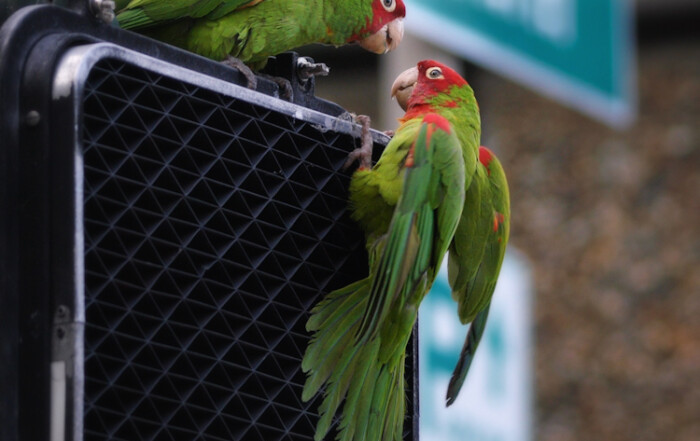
(438, 120)
(485, 157)
(498, 219)
(409, 157)
(434, 122)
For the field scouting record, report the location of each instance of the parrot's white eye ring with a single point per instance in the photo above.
(434, 73)
(389, 5)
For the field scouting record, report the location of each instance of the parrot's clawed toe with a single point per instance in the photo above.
(243, 69)
(363, 154)
(285, 86)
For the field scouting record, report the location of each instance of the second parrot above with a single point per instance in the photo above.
(253, 30)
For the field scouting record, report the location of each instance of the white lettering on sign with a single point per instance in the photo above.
(555, 20)
(552, 20)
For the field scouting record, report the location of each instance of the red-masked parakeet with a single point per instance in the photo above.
(253, 30)
(432, 190)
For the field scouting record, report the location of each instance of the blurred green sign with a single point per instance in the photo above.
(496, 402)
(578, 51)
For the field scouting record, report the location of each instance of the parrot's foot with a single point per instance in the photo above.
(363, 154)
(307, 69)
(243, 69)
(286, 92)
(389, 133)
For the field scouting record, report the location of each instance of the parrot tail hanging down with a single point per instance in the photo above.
(433, 190)
(475, 300)
(250, 31)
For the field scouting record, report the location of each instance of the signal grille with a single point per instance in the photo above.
(211, 227)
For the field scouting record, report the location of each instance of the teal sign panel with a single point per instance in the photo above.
(580, 52)
(495, 403)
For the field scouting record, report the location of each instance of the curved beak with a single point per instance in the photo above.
(403, 86)
(385, 39)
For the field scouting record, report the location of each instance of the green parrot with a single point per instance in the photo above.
(432, 191)
(253, 30)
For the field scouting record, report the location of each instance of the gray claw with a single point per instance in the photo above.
(363, 154)
(307, 69)
(243, 69)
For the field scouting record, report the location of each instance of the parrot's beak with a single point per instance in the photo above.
(385, 39)
(403, 86)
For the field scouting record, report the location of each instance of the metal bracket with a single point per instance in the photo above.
(66, 392)
(301, 73)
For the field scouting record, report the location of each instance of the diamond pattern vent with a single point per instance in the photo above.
(212, 225)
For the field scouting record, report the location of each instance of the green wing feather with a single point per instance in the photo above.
(422, 226)
(485, 235)
(144, 13)
(360, 332)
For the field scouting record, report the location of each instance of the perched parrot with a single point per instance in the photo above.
(253, 30)
(432, 191)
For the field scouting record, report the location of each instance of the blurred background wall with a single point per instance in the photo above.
(610, 221)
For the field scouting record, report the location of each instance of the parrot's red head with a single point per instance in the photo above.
(415, 86)
(384, 29)
(385, 11)
(434, 77)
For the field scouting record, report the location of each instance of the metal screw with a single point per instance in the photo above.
(103, 9)
(32, 118)
(60, 333)
(62, 311)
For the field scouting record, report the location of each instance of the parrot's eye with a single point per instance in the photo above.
(434, 73)
(389, 5)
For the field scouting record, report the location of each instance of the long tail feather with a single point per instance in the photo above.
(393, 425)
(373, 407)
(476, 331)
